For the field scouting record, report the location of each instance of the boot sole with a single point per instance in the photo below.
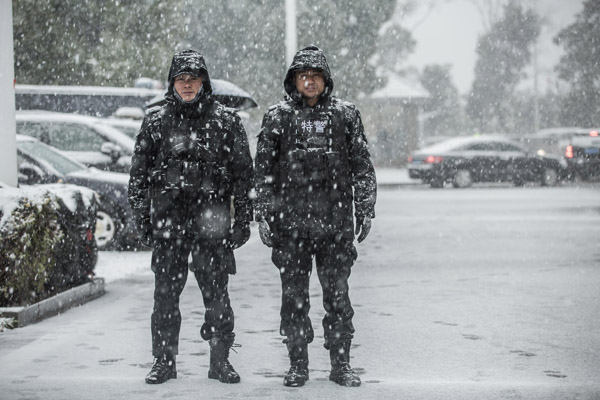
(158, 382)
(295, 384)
(214, 375)
(345, 384)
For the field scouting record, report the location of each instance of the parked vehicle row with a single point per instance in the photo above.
(89, 140)
(89, 151)
(40, 163)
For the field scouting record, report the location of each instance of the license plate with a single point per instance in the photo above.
(592, 150)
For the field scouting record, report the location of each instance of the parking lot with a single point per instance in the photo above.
(485, 292)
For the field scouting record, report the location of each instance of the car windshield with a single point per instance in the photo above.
(130, 131)
(62, 164)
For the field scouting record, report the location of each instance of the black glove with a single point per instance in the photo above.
(363, 226)
(240, 233)
(265, 233)
(145, 230)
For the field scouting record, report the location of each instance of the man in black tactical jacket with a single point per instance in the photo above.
(191, 164)
(312, 166)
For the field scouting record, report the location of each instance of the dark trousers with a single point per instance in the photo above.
(170, 266)
(334, 262)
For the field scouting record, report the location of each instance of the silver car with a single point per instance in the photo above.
(86, 139)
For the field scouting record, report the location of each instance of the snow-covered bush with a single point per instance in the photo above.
(43, 241)
(7, 323)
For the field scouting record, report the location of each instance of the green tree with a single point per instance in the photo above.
(442, 110)
(580, 67)
(347, 30)
(503, 53)
(109, 43)
(53, 40)
(244, 41)
(137, 40)
(74, 42)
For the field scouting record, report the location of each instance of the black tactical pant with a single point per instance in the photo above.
(334, 261)
(170, 266)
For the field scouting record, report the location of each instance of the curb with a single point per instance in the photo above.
(56, 304)
(386, 185)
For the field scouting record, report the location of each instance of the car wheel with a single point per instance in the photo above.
(549, 177)
(462, 179)
(518, 182)
(576, 177)
(107, 228)
(436, 183)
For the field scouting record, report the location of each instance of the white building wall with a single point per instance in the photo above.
(8, 141)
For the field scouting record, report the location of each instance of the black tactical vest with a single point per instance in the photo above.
(191, 158)
(313, 183)
(314, 150)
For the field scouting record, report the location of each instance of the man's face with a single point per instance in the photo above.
(310, 84)
(187, 86)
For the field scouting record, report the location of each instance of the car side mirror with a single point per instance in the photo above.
(30, 174)
(112, 150)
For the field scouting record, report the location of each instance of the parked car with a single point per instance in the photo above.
(579, 146)
(40, 163)
(86, 139)
(583, 156)
(552, 140)
(128, 126)
(463, 161)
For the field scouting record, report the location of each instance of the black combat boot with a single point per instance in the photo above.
(341, 371)
(298, 372)
(162, 370)
(220, 368)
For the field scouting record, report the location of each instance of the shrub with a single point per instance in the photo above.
(46, 245)
(27, 251)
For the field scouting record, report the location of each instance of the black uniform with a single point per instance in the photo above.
(312, 166)
(191, 163)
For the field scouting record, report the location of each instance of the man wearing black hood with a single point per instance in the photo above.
(190, 166)
(312, 166)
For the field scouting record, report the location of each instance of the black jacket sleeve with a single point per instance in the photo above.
(141, 165)
(363, 173)
(242, 172)
(265, 161)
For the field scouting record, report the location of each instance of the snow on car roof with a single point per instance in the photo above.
(97, 123)
(453, 143)
(87, 90)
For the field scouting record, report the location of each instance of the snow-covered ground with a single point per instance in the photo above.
(484, 293)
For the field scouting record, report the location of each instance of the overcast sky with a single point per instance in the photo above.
(448, 35)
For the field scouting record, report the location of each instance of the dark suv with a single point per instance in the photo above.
(578, 146)
(583, 156)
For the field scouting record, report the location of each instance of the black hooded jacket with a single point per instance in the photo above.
(188, 62)
(310, 57)
(190, 160)
(334, 178)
